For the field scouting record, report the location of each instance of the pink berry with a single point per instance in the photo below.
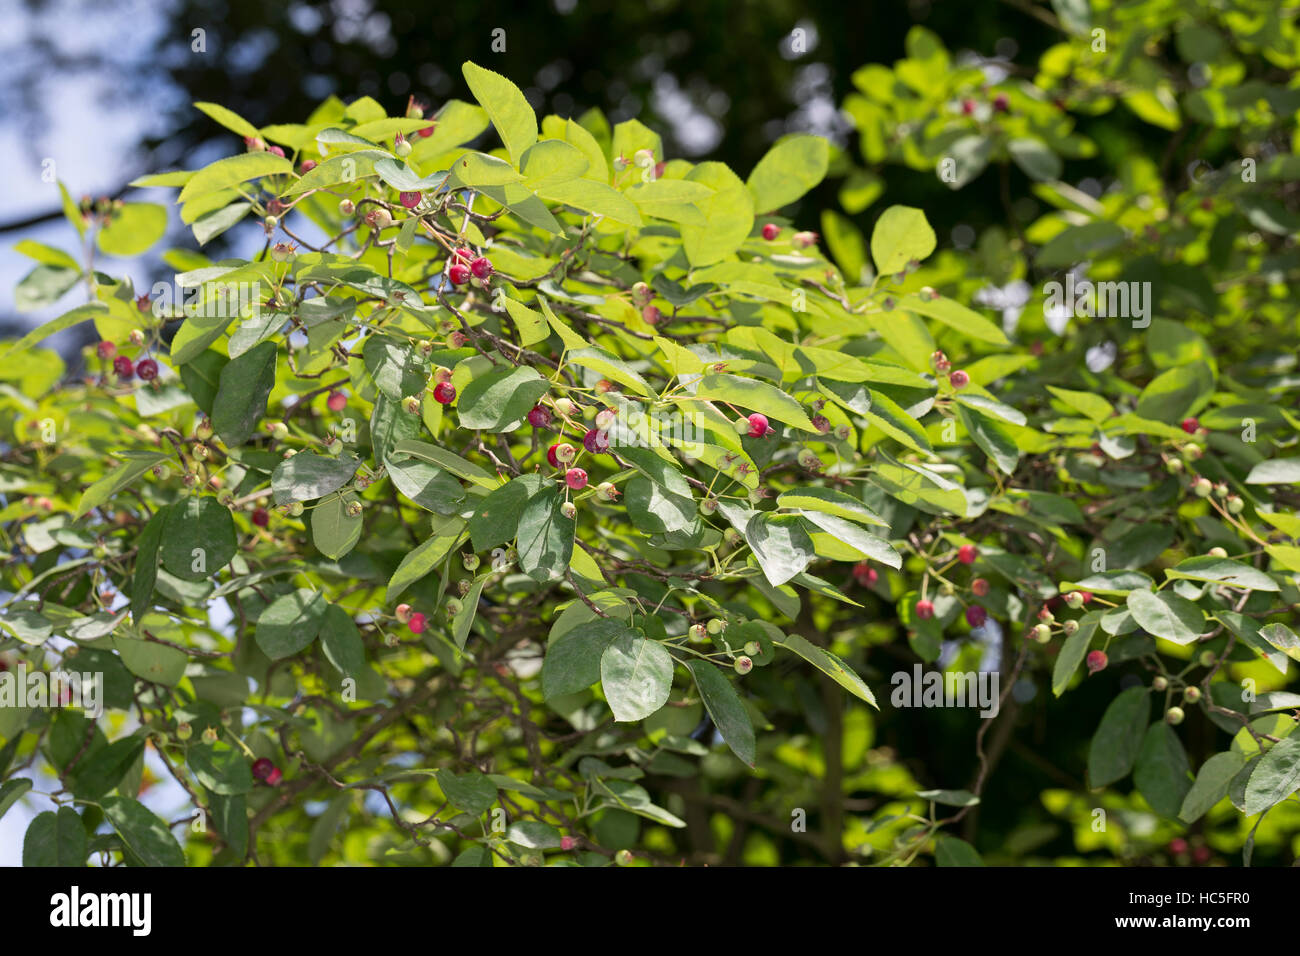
(444, 393)
(865, 574)
(123, 367)
(1096, 661)
(147, 369)
(575, 478)
(959, 379)
(481, 267)
(417, 623)
(976, 615)
(410, 199)
(336, 402)
(276, 150)
(967, 553)
(968, 106)
(539, 417)
(403, 613)
(1177, 845)
(757, 425)
(567, 843)
(651, 314)
(1190, 425)
(924, 610)
(458, 273)
(979, 587)
(106, 349)
(308, 165)
(771, 231)
(265, 771)
(261, 517)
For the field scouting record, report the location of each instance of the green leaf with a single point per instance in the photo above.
(780, 544)
(333, 530)
(513, 118)
(11, 791)
(789, 169)
(1091, 405)
(220, 768)
(1165, 614)
(992, 438)
(1035, 159)
(1222, 571)
(829, 664)
(846, 532)
(464, 620)
(341, 642)
(1176, 393)
(531, 324)
(1278, 471)
(951, 851)
(1162, 774)
(1283, 638)
(728, 214)
(229, 119)
(231, 171)
(427, 485)
(1073, 652)
(1118, 740)
(756, 396)
(725, 709)
(307, 476)
(831, 502)
(573, 659)
(496, 519)
(136, 464)
(955, 315)
(290, 623)
(545, 537)
(66, 321)
(244, 387)
(901, 234)
(1275, 777)
(499, 400)
(145, 837)
(202, 377)
(43, 286)
(446, 460)
(894, 421)
(56, 839)
(636, 674)
(1077, 243)
(156, 663)
(104, 769)
(471, 793)
(422, 560)
(132, 230)
(1211, 784)
(198, 539)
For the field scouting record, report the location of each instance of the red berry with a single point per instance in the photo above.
(967, 107)
(458, 273)
(308, 165)
(924, 610)
(567, 843)
(596, 441)
(651, 314)
(976, 615)
(1177, 845)
(771, 231)
(757, 425)
(1201, 854)
(979, 587)
(821, 423)
(261, 517)
(967, 553)
(1096, 661)
(147, 369)
(865, 574)
(539, 417)
(410, 199)
(444, 393)
(426, 132)
(959, 379)
(106, 349)
(267, 772)
(123, 367)
(576, 479)
(1190, 425)
(417, 623)
(481, 267)
(550, 455)
(1000, 103)
(336, 402)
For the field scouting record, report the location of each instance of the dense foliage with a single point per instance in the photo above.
(566, 499)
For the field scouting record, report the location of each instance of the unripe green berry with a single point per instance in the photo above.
(1074, 600)
(569, 510)
(295, 509)
(1069, 627)
(623, 858)
(1208, 658)
(717, 625)
(452, 607)
(708, 506)
(697, 634)
(1042, 633)
(210, 735)
(1174, 466)
(1220, 490)
(1192, 695)
(743, 665)
(347, 207)
(278, 430)
(1217, 553)
(753, 648)
(1235, 505)
(470, 561)
(1174, 716)
(1202, 487)
(184, 731)
(1159, 683)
